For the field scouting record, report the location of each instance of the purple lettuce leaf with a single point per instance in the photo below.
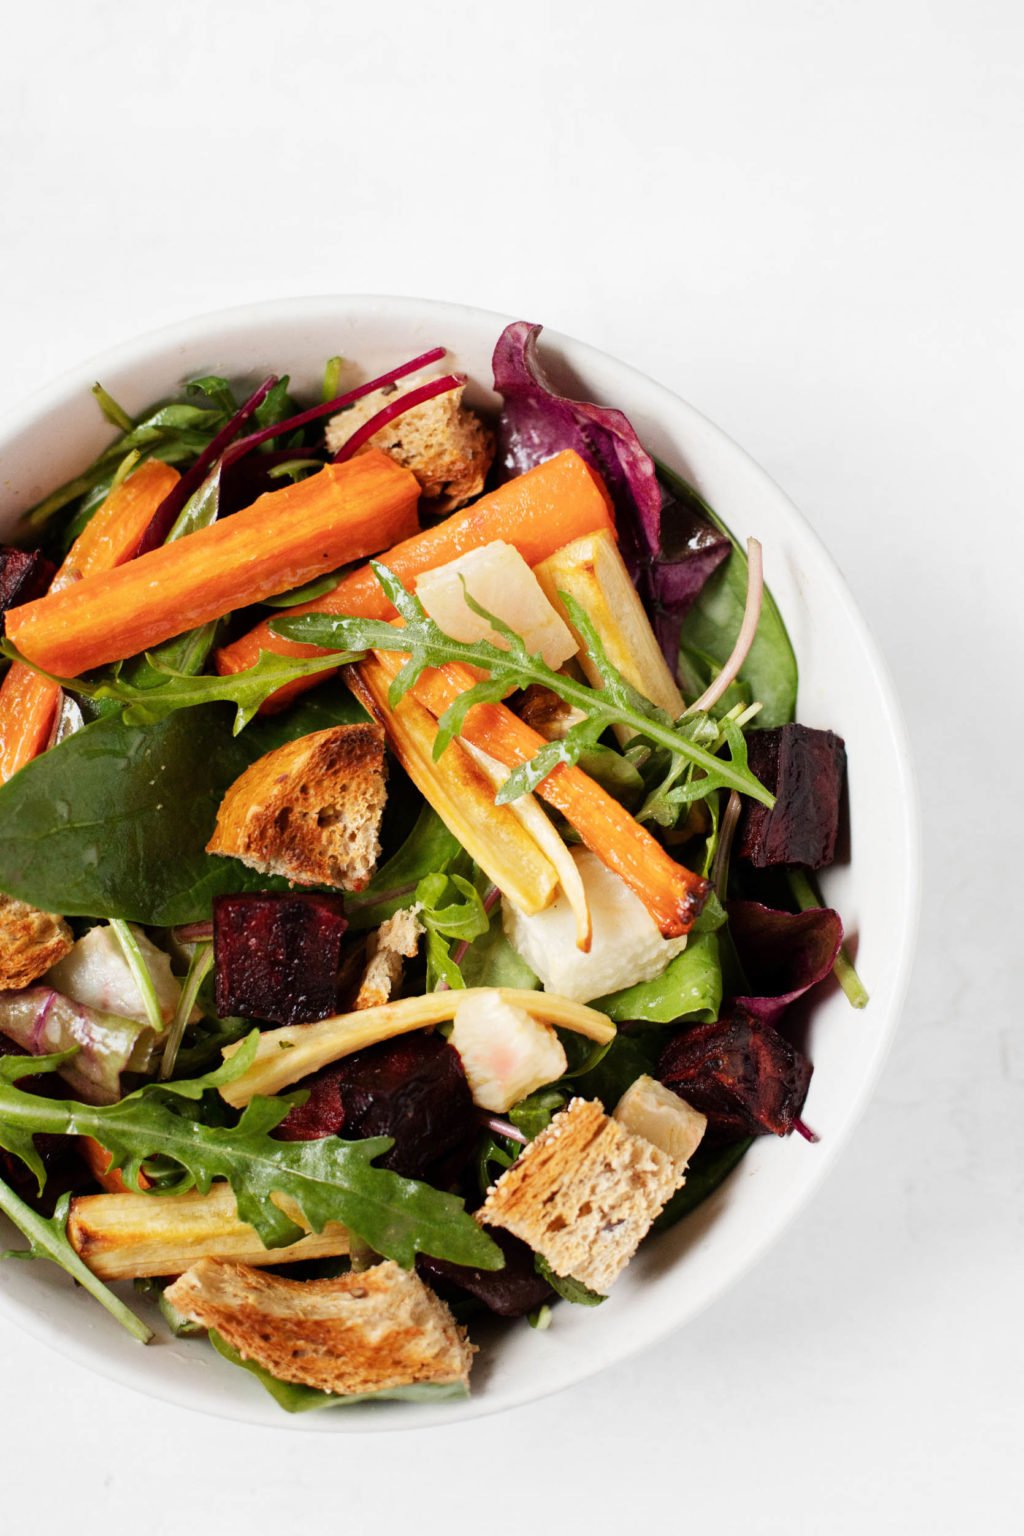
(670, 548)
(783, 953)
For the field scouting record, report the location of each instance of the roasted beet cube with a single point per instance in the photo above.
(25, 574)
(510, 1292)
(277, 957)
(741, 1073)
(804, 770)
(412, 1089)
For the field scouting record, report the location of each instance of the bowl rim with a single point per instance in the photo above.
(245, 319)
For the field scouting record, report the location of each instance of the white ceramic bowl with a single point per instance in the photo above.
(843, 685)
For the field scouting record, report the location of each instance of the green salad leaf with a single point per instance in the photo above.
(690, 987)
(329, 1179)
(295, 1398)
(114, 821)
(709, 1168)
(566, 1287)
(615, 703)
(48, 1239)
(712, 624)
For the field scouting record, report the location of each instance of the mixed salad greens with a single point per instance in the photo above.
(354, 829)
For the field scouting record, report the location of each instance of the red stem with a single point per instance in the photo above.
(805, 1130)
(330, 407)
(397, 407)
(166, 514)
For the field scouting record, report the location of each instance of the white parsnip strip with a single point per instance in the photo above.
(124, 1236)
(461, 794)
(537, 823)
(592, 571)
(286, 1055)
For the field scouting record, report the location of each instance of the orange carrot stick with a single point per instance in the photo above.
(672, 894)
(28, 702)
(285, 538)
(97, 1159)
(538, 512)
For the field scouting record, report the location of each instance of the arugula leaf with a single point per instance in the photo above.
(48, 1239)
(615, 703)
(690, 987)
(712, 624)
(114, 821)
(329, 1179)
(295, 1398)
(565, 1286)
(463, 920)
(174, 432)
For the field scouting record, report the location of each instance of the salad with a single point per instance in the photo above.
(407, 869)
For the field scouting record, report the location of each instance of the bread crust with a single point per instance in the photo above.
(396, 939)
(30, 943)
(362, 1332)
(444, 444)
(583, 1194)
(309, 810)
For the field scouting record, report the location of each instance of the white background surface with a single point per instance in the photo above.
(804, 217)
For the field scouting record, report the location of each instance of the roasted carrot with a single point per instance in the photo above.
(460, 793)
(97, 1159)
(672, 894)
(537, 512)
(28, 702)
(287, 537)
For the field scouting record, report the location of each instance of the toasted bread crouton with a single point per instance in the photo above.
(363, 1332)
(397, 937)
(446, 446)
(30, 942)
(309, 810)
(583, 1194)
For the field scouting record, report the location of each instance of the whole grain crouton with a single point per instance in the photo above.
(446, 446)
(397, 938)
(363, 1332)
(30, 942)
(309, 810)
(583, 1194)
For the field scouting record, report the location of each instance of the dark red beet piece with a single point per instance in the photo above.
(510, 1292)
(24, 576)
(741, 1073)
(277, 957)
(804, 770)
(412, 1089)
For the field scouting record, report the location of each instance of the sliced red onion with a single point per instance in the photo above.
(166, 514)
(193, 933)
(720, 864)
(395, 408)
(503, 1128)
(745, 638)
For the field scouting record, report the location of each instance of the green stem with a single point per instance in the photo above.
(48, 1240)
(806, 898)
(202, 960)
(140, 973)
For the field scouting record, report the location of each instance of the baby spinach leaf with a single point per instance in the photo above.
(565, 1286)
(709, 1167)
(295, 1398)
(114, 821)
(712, 624)
(689, 987)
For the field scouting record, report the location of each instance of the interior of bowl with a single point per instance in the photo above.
(843, 686)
